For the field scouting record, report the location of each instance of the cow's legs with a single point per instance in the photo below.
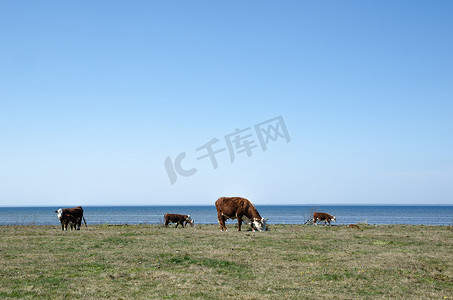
(239, 222)
(222, 223)
(182, 223)
(166, 223)
(221, 220)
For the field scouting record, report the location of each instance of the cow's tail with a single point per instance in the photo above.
(84, 221)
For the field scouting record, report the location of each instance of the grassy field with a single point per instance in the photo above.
(287, 262)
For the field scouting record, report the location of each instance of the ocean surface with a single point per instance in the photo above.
(348, 214)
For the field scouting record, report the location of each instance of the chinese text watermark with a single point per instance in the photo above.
(238, 142)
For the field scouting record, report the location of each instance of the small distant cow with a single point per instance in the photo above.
(354, 226)
(178, 219)
(240, 209)
(319, 216)
(72, 222)
(72, 216)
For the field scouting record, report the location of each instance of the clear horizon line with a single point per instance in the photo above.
(191, 205)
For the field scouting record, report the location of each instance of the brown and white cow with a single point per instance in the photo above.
(72, 216)
(319, 216)
(178, 219)
(240, 209)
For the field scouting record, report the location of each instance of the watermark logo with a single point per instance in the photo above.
(238, 142)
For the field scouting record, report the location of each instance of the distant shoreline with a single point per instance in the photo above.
(231, 225)
(258, 205)
(206, 214)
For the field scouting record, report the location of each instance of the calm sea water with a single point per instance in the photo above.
(416, 215)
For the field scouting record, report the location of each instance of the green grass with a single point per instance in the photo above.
(287, 262)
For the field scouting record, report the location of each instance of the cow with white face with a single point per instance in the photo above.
(190, 221)
(241, 209)
(182, 220)
(71, 216)
(327, 218)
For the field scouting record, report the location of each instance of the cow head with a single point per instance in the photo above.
(333, 219)
(59, 213)
(189, 220)
(259, 224)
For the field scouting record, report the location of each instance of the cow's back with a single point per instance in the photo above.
(230, 206)
(233, 206)
(322, 216)
(175, 217)
(77, 212)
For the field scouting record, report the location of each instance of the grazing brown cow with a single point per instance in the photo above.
(319, 216)
(241, 209)
(178, 219)
(72, 216)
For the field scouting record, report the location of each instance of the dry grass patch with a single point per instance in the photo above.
(289, 261)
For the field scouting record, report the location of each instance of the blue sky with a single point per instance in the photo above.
(95, 95)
